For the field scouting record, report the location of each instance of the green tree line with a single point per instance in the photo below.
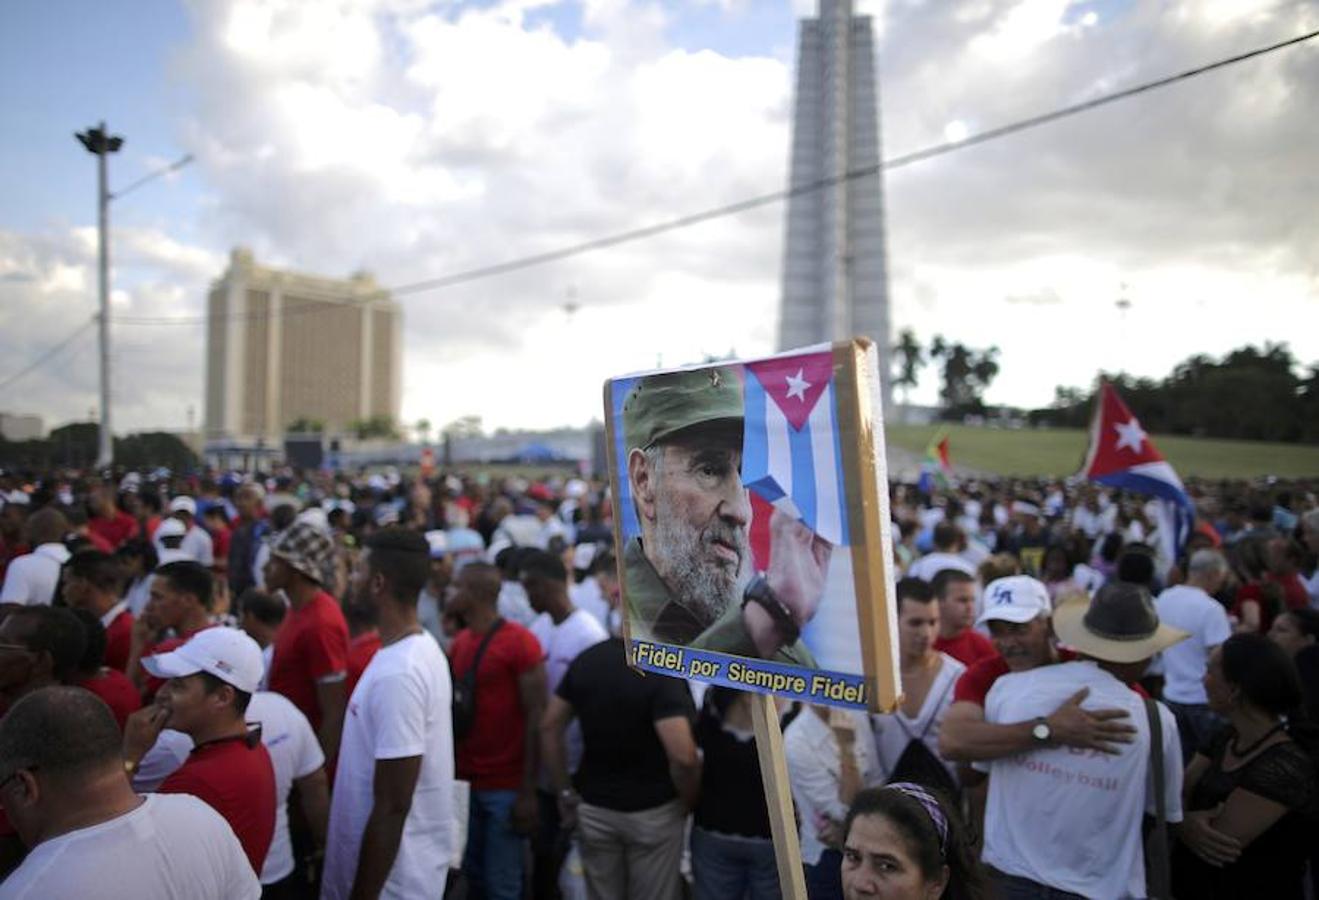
(1249, 394)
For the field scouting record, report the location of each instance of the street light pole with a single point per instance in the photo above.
(100, 142)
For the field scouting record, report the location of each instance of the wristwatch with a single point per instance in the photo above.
(1041, 732)
(759, 592)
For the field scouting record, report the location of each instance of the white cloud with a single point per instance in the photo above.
(415, 140)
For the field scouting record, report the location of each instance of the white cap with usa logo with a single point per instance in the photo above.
(227, 653)
(1016, 598)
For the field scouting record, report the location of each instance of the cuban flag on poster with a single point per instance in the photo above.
(791, 452)
(1121, 455)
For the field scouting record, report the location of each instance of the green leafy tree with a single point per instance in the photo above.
(150, 449)
(1250, 394)
(967, 373)
(464, 427)
(306, 425)
(379, 426)
(910, 358)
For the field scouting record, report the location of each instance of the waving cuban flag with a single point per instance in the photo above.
(791, 455)
(1122, 455)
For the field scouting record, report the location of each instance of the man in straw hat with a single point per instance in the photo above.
(1065, 819)
(689, 575)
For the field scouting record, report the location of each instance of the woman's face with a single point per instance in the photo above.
(1287, 635)
(877, 863)
(1216, 686)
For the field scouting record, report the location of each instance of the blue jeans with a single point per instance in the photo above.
(824, 880)
(493, 860)
(732, 867)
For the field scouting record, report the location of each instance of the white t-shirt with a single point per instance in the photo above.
(1190, 609)
(295, 753)
(1070, 818)
(31, 578)
(813, 773)
(401, 707)
(562, 643)
(587, 595)
(171, 846)
(893, 732)
(932, 564)
(196, 546)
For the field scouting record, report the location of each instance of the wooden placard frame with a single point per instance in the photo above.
(857, 374)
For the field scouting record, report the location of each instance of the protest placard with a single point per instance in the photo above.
(751, 506)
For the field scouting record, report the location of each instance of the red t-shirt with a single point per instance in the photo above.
(118, 692)
(360, 651)
(119, 641)
(154, 684)
(974, 685)
(311, 644)
(235, 778)
(968, 648)
(490, 757)
(220, 538)
(99, 543)
(115, 530)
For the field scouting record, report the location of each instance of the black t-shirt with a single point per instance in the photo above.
(1273, 865)
(623, 764)
(732, 796)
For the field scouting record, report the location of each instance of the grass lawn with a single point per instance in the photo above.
(1059, 451)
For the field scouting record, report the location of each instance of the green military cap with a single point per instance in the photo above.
(660, 406)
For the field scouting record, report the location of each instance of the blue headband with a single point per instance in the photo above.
(931, 807)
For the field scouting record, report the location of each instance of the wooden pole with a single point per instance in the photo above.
(778, 795)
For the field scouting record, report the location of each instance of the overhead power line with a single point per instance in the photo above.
(49, 354)
(823, 183)
(740, 206)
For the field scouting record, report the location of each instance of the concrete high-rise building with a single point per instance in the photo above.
(283, 346)
(835, 275)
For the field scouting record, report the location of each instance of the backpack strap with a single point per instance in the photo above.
(1157, 877)
(485, 642)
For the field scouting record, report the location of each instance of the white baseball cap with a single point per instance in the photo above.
(227, 653)
(171, 528)
(183, 503)
(583, 555)
(438, 541)
(1016, 598)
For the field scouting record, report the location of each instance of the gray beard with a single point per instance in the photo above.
(680, 554)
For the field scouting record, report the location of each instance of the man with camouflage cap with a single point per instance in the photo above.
(689, 575)
(310, 660)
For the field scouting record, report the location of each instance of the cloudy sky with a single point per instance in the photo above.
(416, 139)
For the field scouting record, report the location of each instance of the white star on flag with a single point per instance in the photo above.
(1130, 434)
(797, 386)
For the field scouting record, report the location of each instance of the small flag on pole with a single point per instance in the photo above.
(1121, 455)
(937, 467)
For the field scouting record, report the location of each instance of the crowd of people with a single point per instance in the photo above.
(384, 684)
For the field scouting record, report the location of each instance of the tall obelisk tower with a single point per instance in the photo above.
(835, 274)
